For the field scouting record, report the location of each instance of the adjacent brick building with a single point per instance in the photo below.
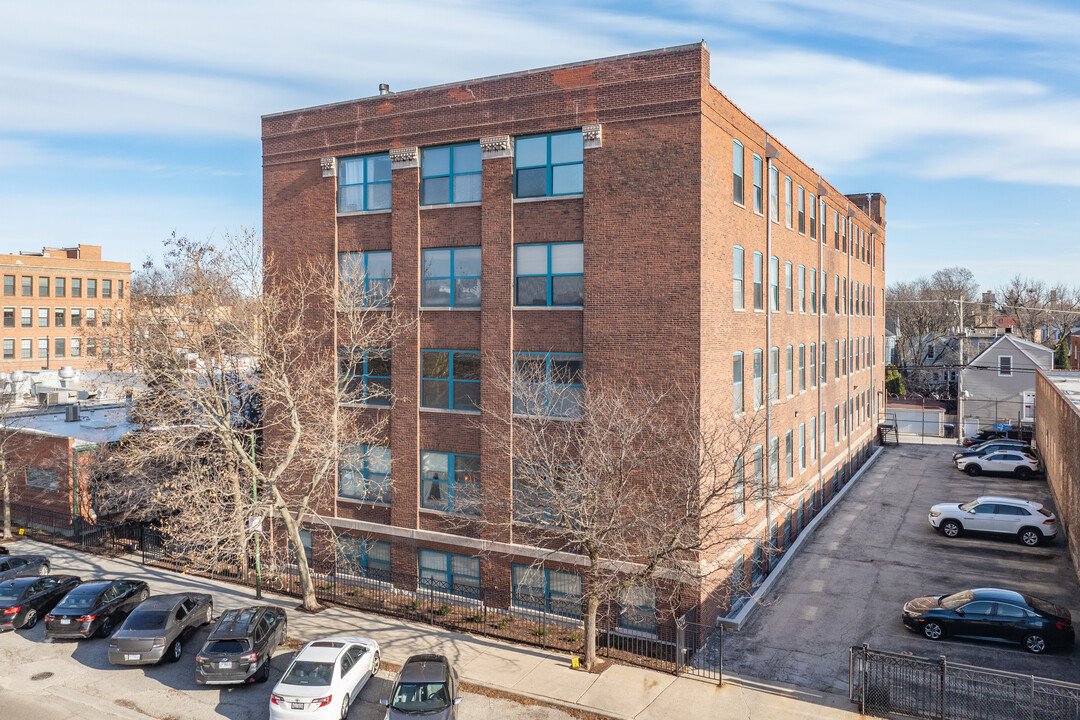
(616, 218)
(1057, 436)
(53, 301)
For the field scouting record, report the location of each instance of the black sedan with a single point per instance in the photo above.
(24, 600)
(13, 566)
(984, 436)
(992, 614)
(95, 607)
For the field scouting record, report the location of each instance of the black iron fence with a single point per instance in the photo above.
(61, 528)
(884, 683)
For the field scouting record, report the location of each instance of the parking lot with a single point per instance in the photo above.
(876, 551)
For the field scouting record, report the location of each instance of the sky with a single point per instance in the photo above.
(122, 121)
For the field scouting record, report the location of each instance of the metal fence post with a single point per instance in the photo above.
(941, 691)
(865, 673)
(680, 643)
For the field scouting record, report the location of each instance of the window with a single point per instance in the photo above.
(824, 292)
(365, 376)
(813, 364)
(456, 574)
(836, 293)
(774, 197)
(812, 204)
(364, 183)
(76, 347)
(836, 359)
(364, 278)
(9, 317)
(27, 286)
(759, 473)
(9, 349)
(449, 482)
(91, 346)
(451, 278)
(824, 364)
(836, 424)
(550, 274)
(774, 283)
(802, 288)
(774, 374)
(43, 317)
(836, 229)
(1005, 365)
(813, 291)
(637, 609)
(737, 172)
(787, 202)
(802, 368)
(844, 355)
(548, 384)
(759, 399)
(789, 370)
(76, 317)
(91, 317)
(813, 435)
(845, 414)
(789, 453)
(364, 473)
(42, 478)
(844, 296)
(91, 288)
(802, 210)
(43, 347)
(26, 346)
(802, 445)
(9, 285)
(738, 404)
(450, 174)
(774, 463)
(759, 300)
(821, 430)
(76, 287)
(366, 558)
(26, 317)
(106, 288)
(545, 590)
(120, 289)
(59, 317)
(106, 317)
(59, 287)
(548, 165)
(822, 216)
(843, 235)
(737, 278)
(59, 347)
(450, 379)
(739, 491)
(788, 296)
(757, 184)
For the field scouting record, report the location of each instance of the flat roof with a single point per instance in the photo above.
(1068, 381)
(97, 424)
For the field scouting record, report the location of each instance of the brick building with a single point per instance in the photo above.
(52, 302)
(614, 218)
(1057, 436)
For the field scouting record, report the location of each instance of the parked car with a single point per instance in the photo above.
(992, 614)
(992, 446)
(23, 600)
(14, 566)
(324, 678)
(96, 607)
(427, 686)
(4, 550)
(1028, 521)
(1010, 462)
(984, 435)
(156, 629)
(240, 646)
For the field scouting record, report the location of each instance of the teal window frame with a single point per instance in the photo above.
(555, 390)
(462, 393)
(358, 459)
(459, 490)
(462, 285)
(552, 294)
(354, 267)
(548, 598)
(347, 367)
(758, 199)
(366, 558)
(370, 179)
(738, 282)
(452, 576)
(550, 167)
(738, 171)
(451, 175)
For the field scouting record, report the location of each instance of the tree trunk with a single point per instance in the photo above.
(7, 498)
(592, 604)
(292, 528)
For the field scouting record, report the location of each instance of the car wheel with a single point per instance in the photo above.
(30, 620)
(264, 673)
(284, 633)
(973, 470)
(1030, 537)
(951, 528)
(376, 663)
(1035, 643)
(345, 707)
(143, 594)
(209, 613)
(1022, 473)
(106, 627)
(933, 631)
(44, 569)
(175, 651)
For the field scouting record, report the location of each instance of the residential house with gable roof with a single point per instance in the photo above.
(994, 383)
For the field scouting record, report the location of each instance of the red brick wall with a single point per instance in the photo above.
(1057, 431)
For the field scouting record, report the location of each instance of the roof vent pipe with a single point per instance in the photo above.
(384, 89)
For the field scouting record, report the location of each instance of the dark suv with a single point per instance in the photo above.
(427, 686)
(240, 646)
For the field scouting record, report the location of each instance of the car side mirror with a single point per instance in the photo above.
(971, 511)
(457, 701)
(959, 611)
(384, 702)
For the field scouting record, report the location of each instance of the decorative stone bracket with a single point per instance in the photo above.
(404, 157)
(329, 166)
(499, 146)
(593, 136)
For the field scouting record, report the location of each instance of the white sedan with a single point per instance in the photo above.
(1012, 462)
(324, 678)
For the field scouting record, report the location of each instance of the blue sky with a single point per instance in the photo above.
(123, 121)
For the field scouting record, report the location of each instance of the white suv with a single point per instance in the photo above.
(1029, 521)
(1013, 462)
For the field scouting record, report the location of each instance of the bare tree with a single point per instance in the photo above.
(12, 461)
(243, 417)
(1042, 312)
(639, 484)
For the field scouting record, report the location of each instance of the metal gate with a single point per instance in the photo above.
(699, 650)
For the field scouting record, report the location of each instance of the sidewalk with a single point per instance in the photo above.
(620, 692)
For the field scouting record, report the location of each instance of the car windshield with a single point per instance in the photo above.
(9, 595)
(968, 506)
(303, 672)
(146, 620)
(951, 602)
(227, 647)
(1048, 608)
(420, 697)
(81, 601)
